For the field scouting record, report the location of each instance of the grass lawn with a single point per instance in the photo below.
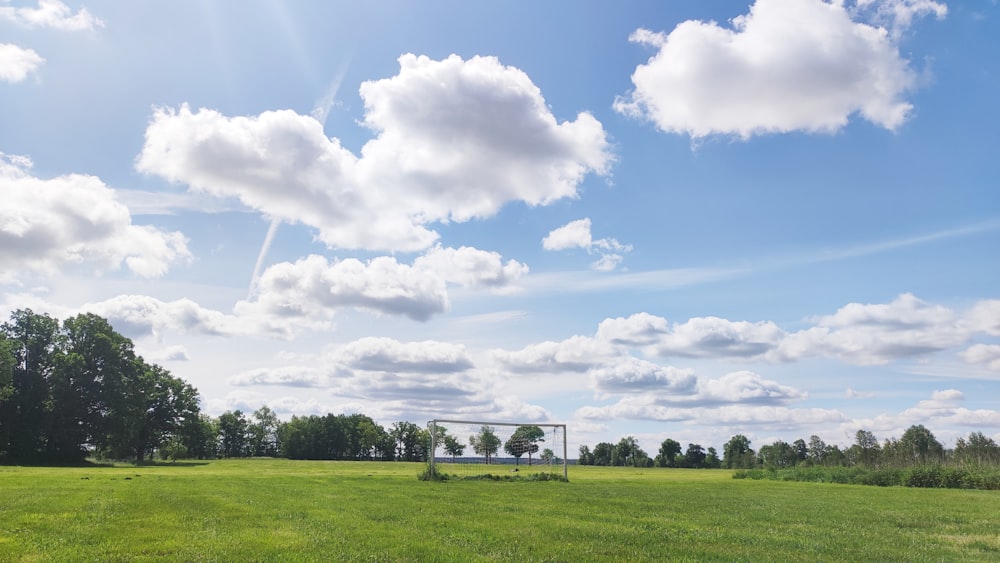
(269, 510)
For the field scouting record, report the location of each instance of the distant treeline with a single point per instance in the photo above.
(916, 448)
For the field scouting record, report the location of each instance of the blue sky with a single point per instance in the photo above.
(660, 219)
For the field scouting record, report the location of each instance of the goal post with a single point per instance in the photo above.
(482, 449)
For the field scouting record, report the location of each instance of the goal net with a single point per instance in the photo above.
(497, 450)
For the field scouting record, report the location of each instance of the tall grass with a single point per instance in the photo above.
(270, 510)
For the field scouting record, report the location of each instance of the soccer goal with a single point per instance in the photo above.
(477, 449)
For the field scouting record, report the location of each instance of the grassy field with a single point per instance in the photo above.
(269, 510)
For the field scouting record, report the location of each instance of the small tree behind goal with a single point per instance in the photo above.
(476, 449)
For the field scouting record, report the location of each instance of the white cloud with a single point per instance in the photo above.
(576, 234)
(741, 416)
(632, 375)
(878, 333)
(898, 15)
(640, 329)
(712, 337)
(75, 218)
(17, 63)
(575, 354)
(985, 317)
(856, 333)
(313, 288)
(983, 354)
(53, 14)
(174, 353)
(471, 267)
(455, 140)
(387, 354)
(141, 315)
(787, 65)
(289, 376)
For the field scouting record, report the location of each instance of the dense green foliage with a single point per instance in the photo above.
(71, 389)
(282, 510)
(924, 476)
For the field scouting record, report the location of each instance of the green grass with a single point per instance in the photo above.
(269, 510)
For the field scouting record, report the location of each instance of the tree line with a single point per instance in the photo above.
(918, 446)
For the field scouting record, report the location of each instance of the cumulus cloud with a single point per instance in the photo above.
(787, 65)
(136, 316)
(878, 333)
(641, 408)
(632, 375)
(455, 140)
(387, 354)
(75, 218)
(289, 376)
(576, 234)
(17, 63)
(471, 267)
(313, 288)
(52, 14)
(575, 354)
(983, 354)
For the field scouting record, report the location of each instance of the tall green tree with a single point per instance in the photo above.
(920, 445)
(524, 440)
(263, 433)
(411, 441)
(234, 440)
(453, 447)
(602, 453)
(736, 453)
(24, 416)
(694, 456)
(485, 442)
(667, 456)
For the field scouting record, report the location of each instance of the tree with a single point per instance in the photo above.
(778, 455)
(162, 404)
(263, 433)
(712, 460)
(440, 434)
(485, 443)
(548, 456)
(817, 450)
(694, 456)
(801, 449)
(669, 450)
(628, 452)
(24, 416)
(524, 440)
(977, 449)
(411, 441)
(199, 436)
(585, 457)
(233, 430)
(865, 451)
(453, 447)
(602, 453)
(736, 454)
(920, 445)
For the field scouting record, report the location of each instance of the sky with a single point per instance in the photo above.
(664, 219)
